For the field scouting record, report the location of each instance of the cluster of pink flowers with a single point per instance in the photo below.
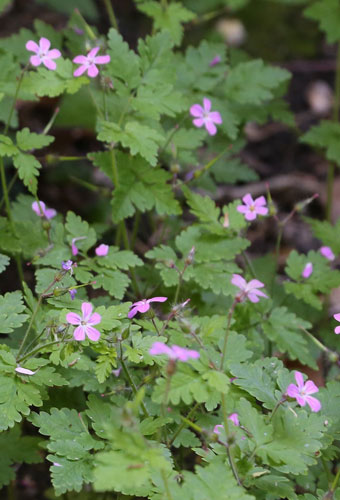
(43, 55)
(248, 290)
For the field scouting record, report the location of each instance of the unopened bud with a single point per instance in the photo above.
(302, 204)
(171, 367)
(175, 168)
(59, 291)
(190, 257)
(46, 225)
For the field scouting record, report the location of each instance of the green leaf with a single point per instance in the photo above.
(27, 140)
(124, 62)
(170, 18)
(70, 475)
(326, 135)
(322, 279)
(16, 449)
(253, 82)
(4, 261)
(76, 228)
(7, 148)
(328, 233)
(140, 139)
(119, 259)
(11, 309)
(28, 168)
(258, 379)
(114, 282)
(327, 14)
(284, 328)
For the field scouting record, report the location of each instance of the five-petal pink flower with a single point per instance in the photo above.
(144, 305)
(43, 54)
(102, 250)
(175, 352)
(85, 322)
(252, 208)
(88, 63)
(41, 210)
(203, 116)
(301, 392)
(248, 290)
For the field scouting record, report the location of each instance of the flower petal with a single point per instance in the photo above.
(260, 201)
(242, 209)
(215, 117)
(54, 54)
(335, 316)
(238, 281)
(40, 210)
(158, 299)
(93, 52)
(49, 63)
(94, 319)
(337, 330)
(133, 312)
(102, 59)
(196, 110)
(44, 44)
(92, 333)
(50, 213)
(92, 71)
(248, 199)
(299, 379)
(261, 210)
(292, 391)
(314, 403)
(211, 127)
(35, 60)
(310, 387)
(250, 215)
(198, 122)
(73, 318)
(24, 371)
(79, 333)
(87, 309)
(206, 104)
(159, 348)
(80, 59)
(79, 71)
(32, 46)
(254, 284)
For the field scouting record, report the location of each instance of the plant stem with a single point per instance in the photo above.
(226, 429)
(183, 424)
(111, 14)
(166, 485)
(39, 348)
(331, 166)
(41, 296)
(279, 403)
(133, 385)
(327, 471)
(224, 350)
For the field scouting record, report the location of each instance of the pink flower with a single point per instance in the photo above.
(248, 290)
(41, 210)
(302, 392)
(88, 63)
(233, 417)
(252, 208)
(327, 252)
(216, 60)
(43, 54)
(102, 250)
(144, 305)
(307, 270)
(337, 317)
(74, 248)
(24, 371)
(85, 323)
(203, 116)
(175, 352)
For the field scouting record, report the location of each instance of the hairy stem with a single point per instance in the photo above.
(224, 350)
(229, 451)
(111, 14)
(133, 386)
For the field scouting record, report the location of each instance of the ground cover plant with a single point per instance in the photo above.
(146, 351)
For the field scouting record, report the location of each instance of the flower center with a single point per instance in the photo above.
(252, 208)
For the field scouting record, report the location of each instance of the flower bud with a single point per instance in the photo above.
(46, 225)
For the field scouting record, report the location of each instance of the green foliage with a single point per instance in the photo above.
(326, 232)
(169, 18)
(11, 312)
(4, 261)
(326, 136)
(322, 279)
(327, 14)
